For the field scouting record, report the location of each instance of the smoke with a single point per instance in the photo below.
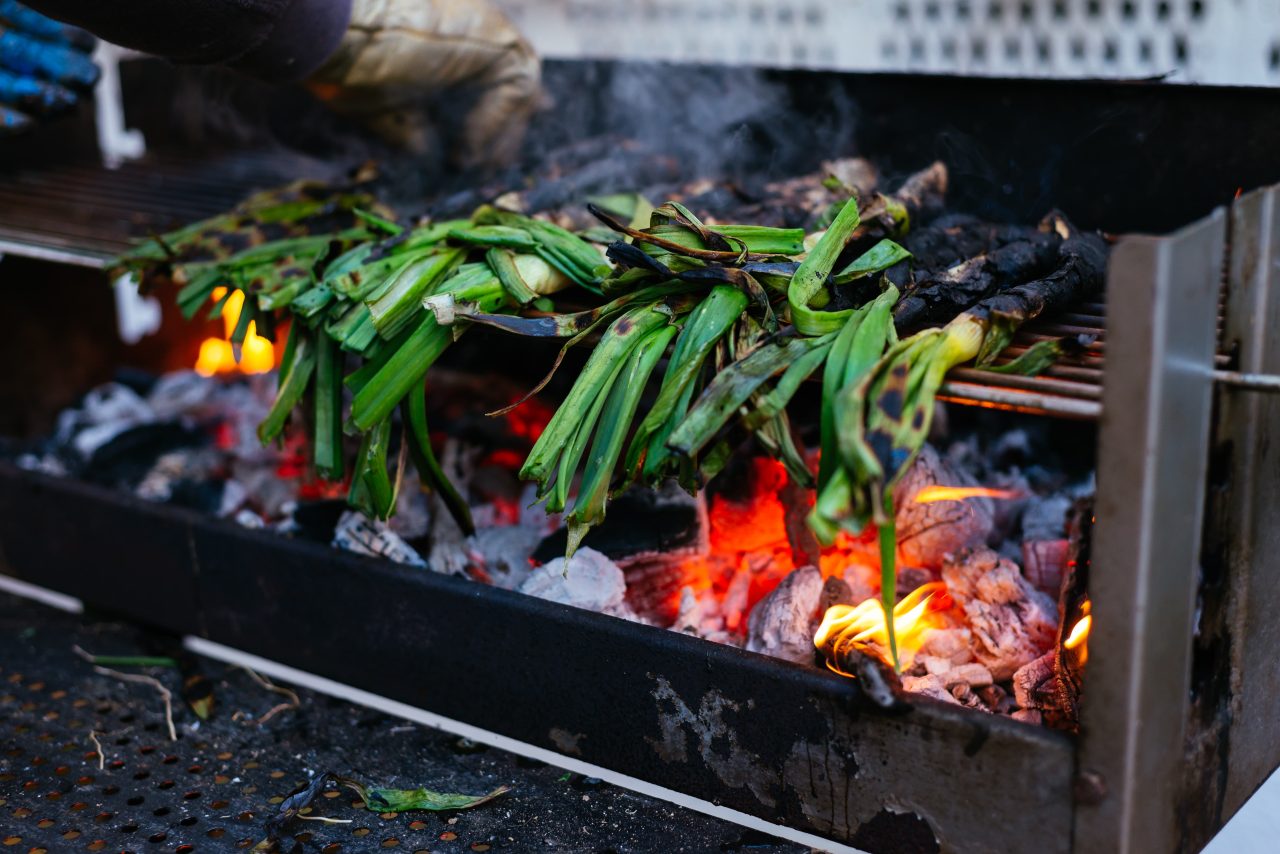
(608, 127)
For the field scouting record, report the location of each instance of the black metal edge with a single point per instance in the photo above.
(787, 743)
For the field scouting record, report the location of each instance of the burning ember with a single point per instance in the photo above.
(862, 626)
(219, 356)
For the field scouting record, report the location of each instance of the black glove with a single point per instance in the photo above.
(43, 64)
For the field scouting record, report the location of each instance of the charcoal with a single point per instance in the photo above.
(1012, 622)
(927, 533)
(316, 520)
(590, 581)
(126, 457)
(642, 522)
(782, 623)
(104, 412)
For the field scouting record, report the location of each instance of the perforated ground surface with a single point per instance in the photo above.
(214, 787)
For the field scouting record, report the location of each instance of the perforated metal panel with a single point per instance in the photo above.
(1200, 41)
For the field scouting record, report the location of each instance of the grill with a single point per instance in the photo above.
(84, 214)
(1182, 551)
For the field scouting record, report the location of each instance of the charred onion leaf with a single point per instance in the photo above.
(380, 799)
(375, 798)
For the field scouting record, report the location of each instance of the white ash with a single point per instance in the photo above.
(504, 552)
(234, 498)
(928, 685)
(246, 518)
(104, 413)
(1012, 622)
(1030, 678)
(782, 623)
(1046, 518)
(589, 580)
(927, 533)
(700, 616)
(953, 645)
(357, 533)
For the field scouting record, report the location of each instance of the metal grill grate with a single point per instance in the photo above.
(1072, 388)
(84, 214)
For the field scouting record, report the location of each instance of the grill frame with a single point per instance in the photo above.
(1166, 334)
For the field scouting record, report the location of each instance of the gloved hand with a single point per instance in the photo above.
(398, 53)
(42, 65)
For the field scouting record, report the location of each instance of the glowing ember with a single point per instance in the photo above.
(863, 625)
(1079, 634)
(217, 356)
(930, 494)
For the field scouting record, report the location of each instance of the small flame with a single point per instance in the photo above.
(864, 625)
(217, 356)
(930, 494)
(1079, 634)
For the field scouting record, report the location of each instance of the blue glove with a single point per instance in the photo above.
(42, 65)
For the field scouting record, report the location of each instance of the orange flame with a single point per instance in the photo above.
(1079, 634)
(217, 356)
(933, 493)
(863, 625)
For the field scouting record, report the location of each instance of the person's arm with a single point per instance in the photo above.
(280, 40)
(376, 61)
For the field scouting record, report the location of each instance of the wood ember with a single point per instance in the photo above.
(1048, 688)
(654, 588)
(1012, 622)
(863, 581)
(911, 577)
(928, 685)
(1044, 562)
(782, 623)
(927, 533)
(835, 591)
